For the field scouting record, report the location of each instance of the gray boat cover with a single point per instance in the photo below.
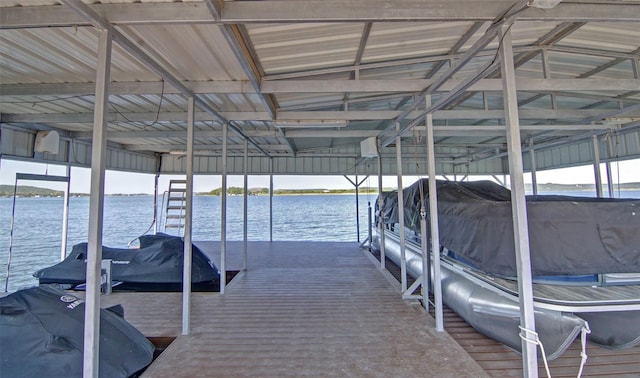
(42, 333)
(567, 235)
(158, 260)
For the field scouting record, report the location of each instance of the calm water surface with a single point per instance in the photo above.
(38, 224)
(37, 231)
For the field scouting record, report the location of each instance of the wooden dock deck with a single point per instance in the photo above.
(301, 309)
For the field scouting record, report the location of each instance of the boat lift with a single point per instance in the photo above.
(65, 214)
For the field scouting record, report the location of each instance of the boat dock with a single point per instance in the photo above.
(303, 309)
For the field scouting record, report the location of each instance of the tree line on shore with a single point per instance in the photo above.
(237, 191)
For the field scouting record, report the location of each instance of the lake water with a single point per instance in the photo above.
(38, 224)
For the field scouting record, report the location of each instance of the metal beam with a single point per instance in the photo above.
(211, 148)
(550, 38)
(433, 221)
(99, 22)
(506, 16)
(596, 166)
(401, 231)
(188, 221)
(519, 210)
(223, 215)
(245, 204)
(560, 115)
(381, 223)
(129, 135)
(608, 65)
(96, 209)
(593, 52)
(364, 38)
(412, 10)
(533, 167)
(317, 86)
(312, 11)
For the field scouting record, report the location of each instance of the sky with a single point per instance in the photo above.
(132, 183)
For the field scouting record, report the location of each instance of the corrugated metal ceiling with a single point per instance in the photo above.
(37, 61)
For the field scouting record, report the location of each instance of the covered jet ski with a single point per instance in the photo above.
(43, 331)
(156, 266)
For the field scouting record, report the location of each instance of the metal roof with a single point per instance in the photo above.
(258, 64)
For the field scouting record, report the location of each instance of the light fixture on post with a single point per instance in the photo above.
(544, 4)
(310, 124)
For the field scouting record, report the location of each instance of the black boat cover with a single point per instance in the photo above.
(42, 333)
(567, 235)
(159, 260)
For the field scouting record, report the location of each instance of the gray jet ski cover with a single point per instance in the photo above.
(42, 333)
(158, 260)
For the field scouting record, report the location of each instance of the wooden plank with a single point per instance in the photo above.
(500, 361)
(316, 309)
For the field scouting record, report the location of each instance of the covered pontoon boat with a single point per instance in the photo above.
(43, 331)
(585, 258)
(156, 266)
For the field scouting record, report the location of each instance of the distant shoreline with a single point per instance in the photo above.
(36, 192)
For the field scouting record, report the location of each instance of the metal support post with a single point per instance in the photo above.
(380, 211)
(534, 179)
(519, 207)
(245, 205)
(96, 208)
(596, 166)
(546, 71)
(357, 209)
(403, 257)
(271, 201)
(608, 167)
(223, 216)
(65, 210)
(426, 273)
(357, 185)
(155, 202)
(188, 222)
(369, 224)
(433, 221)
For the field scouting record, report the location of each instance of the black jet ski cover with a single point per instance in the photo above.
(567, 235)
(42, 332)
(159, 260)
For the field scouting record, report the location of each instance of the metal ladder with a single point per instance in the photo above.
(175, 210)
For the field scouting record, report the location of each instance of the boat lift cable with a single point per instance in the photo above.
(153, 222)
(32, 177)
(13, 214)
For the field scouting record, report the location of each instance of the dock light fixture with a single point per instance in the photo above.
(309, 123)
(544, 4)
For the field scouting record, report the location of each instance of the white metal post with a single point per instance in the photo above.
(596, 166)
(534, 178)
(433, 220)
(608, 167)
(188, 222)
(403, 258)
(65, 210)
(357, 207)
(519, 207)
(96, 208)
(271, 200)
(223, 217)
(380, 210)
(424, 244)
(245, 205)
(155, 202)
